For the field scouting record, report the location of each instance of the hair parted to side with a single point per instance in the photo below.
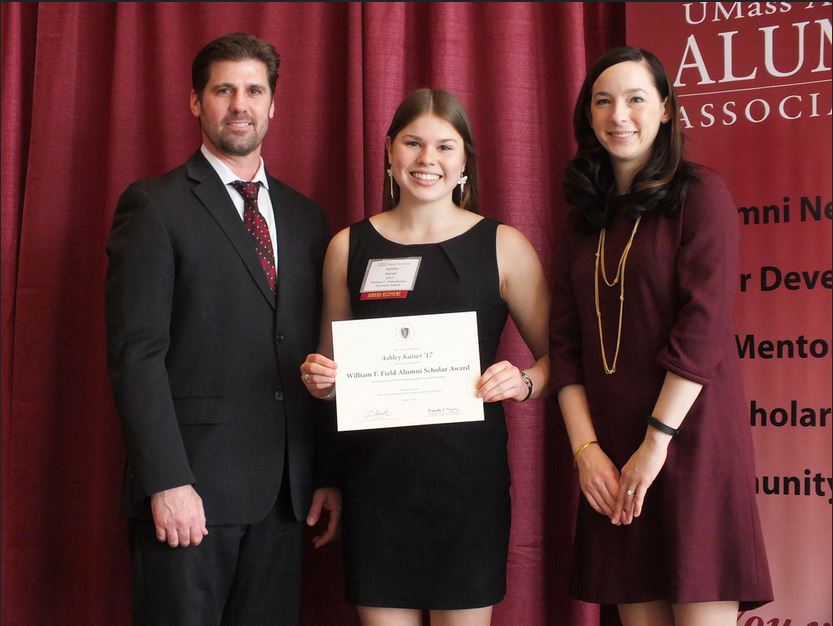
(234, 47)
(447, 107)
(659, 187)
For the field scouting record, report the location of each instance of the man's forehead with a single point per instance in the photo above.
(242, 71)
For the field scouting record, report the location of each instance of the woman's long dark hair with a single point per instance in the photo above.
(447, 107)
(658, 188)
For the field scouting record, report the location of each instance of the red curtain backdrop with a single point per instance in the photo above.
(95, 95)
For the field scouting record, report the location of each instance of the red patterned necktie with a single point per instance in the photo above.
(256, 225)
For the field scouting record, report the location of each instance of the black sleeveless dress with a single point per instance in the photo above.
(426, 508)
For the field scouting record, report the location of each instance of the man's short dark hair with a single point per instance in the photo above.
(234, 47)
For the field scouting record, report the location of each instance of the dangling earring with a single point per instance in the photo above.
(462, 182)
(391, 182)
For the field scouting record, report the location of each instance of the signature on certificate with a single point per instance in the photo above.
(444, 411)
(376, 414)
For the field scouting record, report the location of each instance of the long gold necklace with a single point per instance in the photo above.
(619, 277)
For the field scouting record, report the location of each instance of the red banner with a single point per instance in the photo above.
(754, 82)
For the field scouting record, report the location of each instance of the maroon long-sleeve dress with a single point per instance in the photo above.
(699, 536)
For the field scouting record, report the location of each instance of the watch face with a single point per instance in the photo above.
(528, 381)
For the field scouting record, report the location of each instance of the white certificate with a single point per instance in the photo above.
(407, 371)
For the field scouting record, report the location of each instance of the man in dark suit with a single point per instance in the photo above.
(212, 302)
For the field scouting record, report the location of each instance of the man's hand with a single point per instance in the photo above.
(327, 498)
(178, 516)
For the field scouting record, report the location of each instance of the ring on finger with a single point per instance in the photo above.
(630, 492)
(307, 377)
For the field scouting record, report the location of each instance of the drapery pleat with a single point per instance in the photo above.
(95, 95)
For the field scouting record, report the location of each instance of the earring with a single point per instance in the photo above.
(390, 173)
(462, 182)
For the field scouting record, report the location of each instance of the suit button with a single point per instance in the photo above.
(279, 395)
(280, 337)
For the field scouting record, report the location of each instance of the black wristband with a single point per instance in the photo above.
(528, 381)
(662, 427)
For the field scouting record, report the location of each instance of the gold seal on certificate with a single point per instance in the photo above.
(407, 371)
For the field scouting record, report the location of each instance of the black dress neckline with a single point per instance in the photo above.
(431, 243)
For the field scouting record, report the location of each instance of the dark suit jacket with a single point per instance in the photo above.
(202, 358)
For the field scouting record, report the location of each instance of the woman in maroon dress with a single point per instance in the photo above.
(645, 367)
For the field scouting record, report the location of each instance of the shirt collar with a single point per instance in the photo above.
(227, 176)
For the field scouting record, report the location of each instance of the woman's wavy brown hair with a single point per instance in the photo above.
(659, 187)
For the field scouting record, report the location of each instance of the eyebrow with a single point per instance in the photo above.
(234, 85)
(420, 138)
(607, 93)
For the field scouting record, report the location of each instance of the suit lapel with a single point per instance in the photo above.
(211, 192)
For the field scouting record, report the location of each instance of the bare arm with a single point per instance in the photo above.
(674, 402)
(524, 289)
(318, 371)
(598, 476)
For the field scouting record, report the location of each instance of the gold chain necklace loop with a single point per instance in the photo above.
(619, 277)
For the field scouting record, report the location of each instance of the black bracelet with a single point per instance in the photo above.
(525, 377)
(662, 426)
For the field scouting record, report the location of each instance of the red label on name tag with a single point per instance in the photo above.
(383, 295)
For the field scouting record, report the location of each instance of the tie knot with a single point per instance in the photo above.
(247, 190)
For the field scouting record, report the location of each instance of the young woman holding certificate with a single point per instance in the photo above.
(426, 508)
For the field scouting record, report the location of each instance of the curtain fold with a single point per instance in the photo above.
(95, 95)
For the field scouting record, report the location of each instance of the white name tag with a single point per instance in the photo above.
(389, 278)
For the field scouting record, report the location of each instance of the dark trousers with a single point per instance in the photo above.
(240, 575)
